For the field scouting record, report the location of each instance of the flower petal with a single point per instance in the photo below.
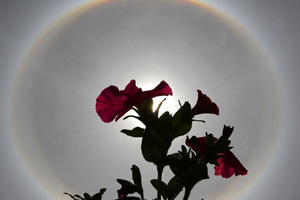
(205, 105)
(110, 104)
(229, 165)
(162, 89)
(113, 104)
(130, 88)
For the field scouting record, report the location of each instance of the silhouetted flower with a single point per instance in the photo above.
(205, 105)
(229, 165)
(113, 103)
(126, 189)
(200, 148)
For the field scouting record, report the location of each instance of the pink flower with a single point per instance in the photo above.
(113, 103)
(228, 163)
(205, 105)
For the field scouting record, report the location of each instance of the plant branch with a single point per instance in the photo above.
(159, 177)
(187, 194)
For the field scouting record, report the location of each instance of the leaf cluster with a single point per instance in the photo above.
(129, 187)
(86, 196)
(160, 131)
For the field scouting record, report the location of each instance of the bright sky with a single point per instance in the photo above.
(54, 63)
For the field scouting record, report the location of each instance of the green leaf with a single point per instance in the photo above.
(167, 160)
(99, 195)
(155, 144)
(136, 175)
(136, 132)
(194, 142)
(87, 196)
(210, 142)
(183, 149)
(161, 187)
(188, 168)
(192, 177)
(130, 186)
(168, 191)
(222, 145)
(174, 188)
(178, 164)
(182, 121)
(160, 133)
(78, 196)
(145, 110)
(164, 122)
(125, 182)
(102, 190)
(70, 195)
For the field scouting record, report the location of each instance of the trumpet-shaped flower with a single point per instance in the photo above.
(228, 164)
(113, 103)
(205, 105)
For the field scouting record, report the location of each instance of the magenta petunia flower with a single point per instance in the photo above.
(113, 103)
(228, 163)
(205, 105)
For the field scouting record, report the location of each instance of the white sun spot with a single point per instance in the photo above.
(170, 104)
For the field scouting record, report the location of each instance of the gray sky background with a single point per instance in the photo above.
(53, 142)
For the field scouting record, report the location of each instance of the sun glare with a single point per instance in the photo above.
(170, 104)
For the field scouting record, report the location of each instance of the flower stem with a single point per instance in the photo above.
(187, 194)
(159, 177)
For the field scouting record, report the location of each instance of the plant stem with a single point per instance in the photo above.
(187, 194)
(159, 177)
